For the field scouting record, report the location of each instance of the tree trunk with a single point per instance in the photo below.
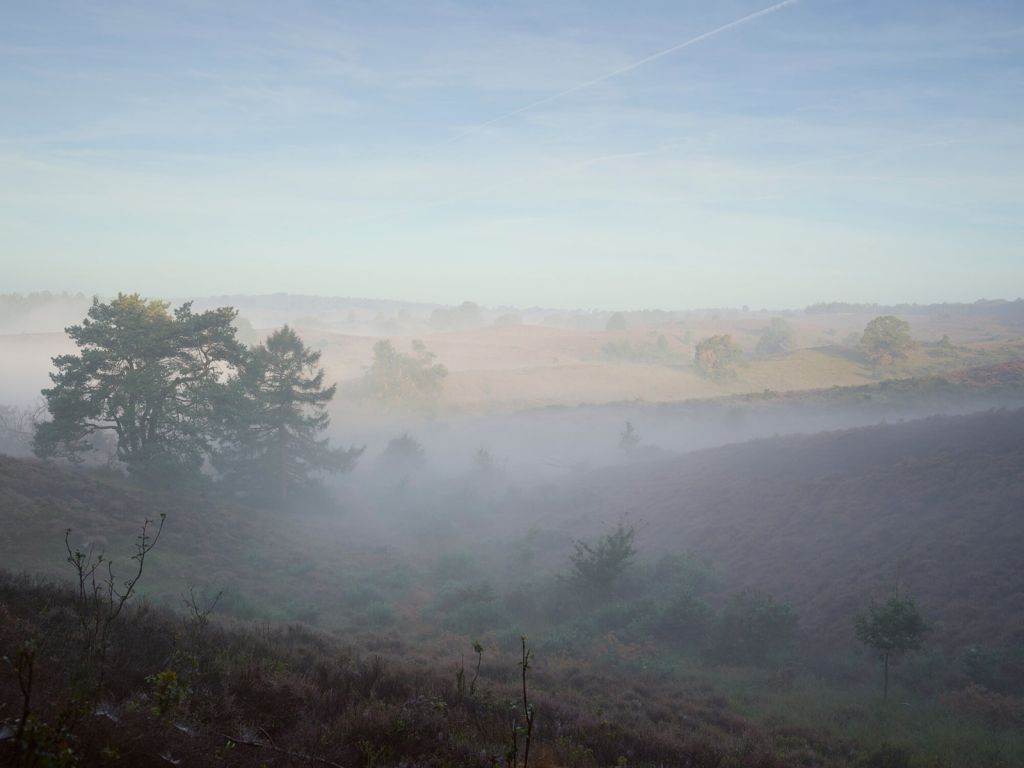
(282, 439)
(885, 677)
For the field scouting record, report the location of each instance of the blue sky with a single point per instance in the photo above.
(828, 150)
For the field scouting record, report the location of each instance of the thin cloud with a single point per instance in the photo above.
(624, 69)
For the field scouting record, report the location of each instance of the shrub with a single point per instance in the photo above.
(753, 627)
(886, 339)
(716, 357)
(597, 566)
(685, 620)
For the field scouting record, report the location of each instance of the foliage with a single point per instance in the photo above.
(617, 322)
(145, 374)
(716, 357)
(776, 339)
(100, 601)
(598, 565)
(467, 315)
(753, 627)
(891, 629)
(886, 339)
(18, 428)
(272, 416)
(658, 352)
(402, 455)
(628, 438)
(395, 378)
(686, 620)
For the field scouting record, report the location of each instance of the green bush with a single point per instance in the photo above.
(685, 621)
(753, 628)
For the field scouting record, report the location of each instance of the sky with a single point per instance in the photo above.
(528, 153)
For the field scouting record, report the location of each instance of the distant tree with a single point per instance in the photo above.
(467, 315)
(891, 629)
(483, 462)
(245, 332)
(616, 322)
(508, 320)
(629, 438)
(399, 378)
(273, 417)
(685, 619)
(148, 376)
(18, 428)
(776, 339)
(753, 626)
(401, 456)
(886, 339)
(716, 357)
(598, 565)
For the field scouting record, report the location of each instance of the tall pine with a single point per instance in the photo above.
(273, 419)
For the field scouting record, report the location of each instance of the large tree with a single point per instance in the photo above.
(273, 419)
(144, 374)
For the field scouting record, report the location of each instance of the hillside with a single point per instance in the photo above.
(825, 521)
(413, 569)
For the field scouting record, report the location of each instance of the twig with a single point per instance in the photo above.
(279, 750)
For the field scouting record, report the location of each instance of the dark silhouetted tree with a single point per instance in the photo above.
(891, 629)
(886, 339)
(629, 438)
(273, 419)
(145, 374)
(598, 565)
(402, 456)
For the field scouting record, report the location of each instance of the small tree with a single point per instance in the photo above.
(716, 357)
(273, 419)
(396, 378)
(629, 438)
(616, 322)
(402, 456)
(18, 428)
(886, 339)
(891, 629)
(597, 566)
(776, 339)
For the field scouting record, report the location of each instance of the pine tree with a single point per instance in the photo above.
(146, 375)
(273, 419)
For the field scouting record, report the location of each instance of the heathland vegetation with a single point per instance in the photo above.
(847, 598)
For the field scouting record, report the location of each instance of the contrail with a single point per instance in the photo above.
(622, 70)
